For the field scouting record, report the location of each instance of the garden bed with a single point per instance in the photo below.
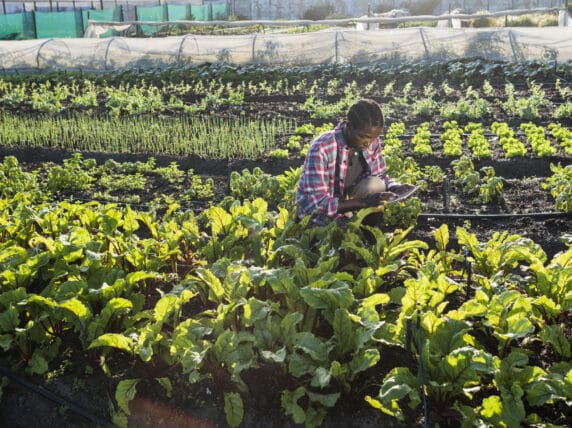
(85, 396)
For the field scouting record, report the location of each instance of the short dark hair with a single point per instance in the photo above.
(365, 113)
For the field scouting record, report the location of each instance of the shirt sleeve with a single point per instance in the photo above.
(376, 162)
(315, 194)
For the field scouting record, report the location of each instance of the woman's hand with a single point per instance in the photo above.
(401, 188)
(377, 199)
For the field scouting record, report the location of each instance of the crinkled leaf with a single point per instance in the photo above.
(113, 340)
(289, 400)
(233, 409)
(343, 331)
(125, 392)
(337, 296)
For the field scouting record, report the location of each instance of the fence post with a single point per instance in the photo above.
(450, 20)
(4, 6)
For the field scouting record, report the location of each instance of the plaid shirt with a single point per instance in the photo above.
(315, 194)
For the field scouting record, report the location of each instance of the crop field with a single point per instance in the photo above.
(153, 272)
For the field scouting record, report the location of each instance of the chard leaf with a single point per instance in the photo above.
(220, 220)
(442, 237)
(289, 323)
(370, 258)
(125, 392)
(361, 362)
(315, 416)
(321, 378)
(165, 382)
(338, 295)
(70, 289)
(542, 392)
(343, 331)
(15, 296)
(548, 306)
(289, 400)
(312, 345)
(164, 307)
(130, 223)
(393, 410)
(398, 384)
(9, 319)
(449, 335)
(398, 250)
(77, 308)
(282, 282)
(513, 407)
(326, 400)
(554, 334)
(300, 365)
(5, 342)
(44, 301)
(275, 357)
(233, 409)
(215, 288)
(255, 310)
(133, 278)
(491, 407)
(114, 340)
(375, 300)
(37, 364)
(518, 326)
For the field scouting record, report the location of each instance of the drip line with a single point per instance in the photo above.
(99, 421)
(204, 204)
(496, 215)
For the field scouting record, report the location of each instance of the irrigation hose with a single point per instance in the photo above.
(202, 204)
(421, 373)
(99, 421)
(496, 215)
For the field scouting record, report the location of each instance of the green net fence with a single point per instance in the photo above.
(202, 12)
(153, 14)
(58, 24)
(176, 12)
(17, 26)
(65, 24)
(219, 11)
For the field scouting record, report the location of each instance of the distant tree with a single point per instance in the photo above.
(318, 12)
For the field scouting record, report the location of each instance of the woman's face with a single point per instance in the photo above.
(362, 138)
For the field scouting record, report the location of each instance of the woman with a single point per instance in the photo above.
(344, 169)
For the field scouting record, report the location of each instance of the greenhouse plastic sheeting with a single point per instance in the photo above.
(102, 15)
(152, 14)
(58, 24)
(328, 46)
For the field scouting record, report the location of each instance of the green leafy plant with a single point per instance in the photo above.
(559, 186)
(422, 139)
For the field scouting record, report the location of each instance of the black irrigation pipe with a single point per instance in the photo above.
(99, 421)
(202, 204)
(495, 215)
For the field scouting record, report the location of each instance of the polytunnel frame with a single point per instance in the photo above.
(183, 40)
(112, 39)
(47, 42)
